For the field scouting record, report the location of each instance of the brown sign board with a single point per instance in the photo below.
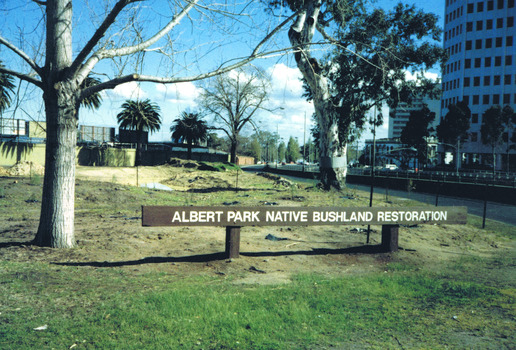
(299, 216)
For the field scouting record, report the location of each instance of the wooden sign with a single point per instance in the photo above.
(299, 216)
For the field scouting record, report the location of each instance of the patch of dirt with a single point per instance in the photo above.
(24, 168)
(114, 238)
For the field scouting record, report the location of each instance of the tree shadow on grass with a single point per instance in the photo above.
(367, 249)
(15, 244)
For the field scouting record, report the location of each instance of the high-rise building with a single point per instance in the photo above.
(479, 36)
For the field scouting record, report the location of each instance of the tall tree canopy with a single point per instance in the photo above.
(140, 116)
(453, 128)
(416, 131)
(492, 129)
(372, 52)
(123, 41)
(234, 99)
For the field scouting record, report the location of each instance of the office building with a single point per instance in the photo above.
(479, 36)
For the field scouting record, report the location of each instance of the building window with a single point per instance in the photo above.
(487, 80)
(467, 82)
(489, 43)
(469, 44)
(480, 7)
(507, 79)
(508, 60)
(510, 4)
(487, 62)
(499, 23)
(506, 99)
(476, 81)
(496, 80)
(478, 44)
(469, 27)
(476, 99)
(478, 61)
(465, 98)
(490, 5)
(489, 24)
(508, 41)
(480, 25)
(498, 41)
(510, 22)
(498, 61)
(467, 63)
(485, 99)
(500, 4)
(496, 99)
(471, 8)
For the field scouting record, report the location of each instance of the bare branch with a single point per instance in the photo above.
(99, 33)
(111, 84)
(124, 51)
(22, 54)
(25, 77)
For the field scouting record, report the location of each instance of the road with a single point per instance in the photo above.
(495, 211)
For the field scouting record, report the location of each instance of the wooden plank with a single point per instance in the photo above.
(299, 216)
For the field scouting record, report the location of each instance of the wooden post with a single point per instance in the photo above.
(390, 238)
(232, 242)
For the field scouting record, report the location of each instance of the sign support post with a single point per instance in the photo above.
(232, 242)
(390, 238)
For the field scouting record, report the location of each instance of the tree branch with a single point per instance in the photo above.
(124, 51)
(99, 34)
(22, 54)
(25, 77)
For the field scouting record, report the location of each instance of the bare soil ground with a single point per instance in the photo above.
(109, 231)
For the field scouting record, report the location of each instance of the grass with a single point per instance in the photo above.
(111, 309)
(467, 302)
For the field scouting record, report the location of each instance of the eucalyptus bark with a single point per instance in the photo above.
(332, 157)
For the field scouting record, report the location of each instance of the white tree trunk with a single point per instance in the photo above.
(56, 226)
(333, 162)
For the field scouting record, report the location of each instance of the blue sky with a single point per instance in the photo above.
(285, 90)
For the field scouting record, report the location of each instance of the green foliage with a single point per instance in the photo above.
(417, 130)
(93, 101)
(455, 124)
(190, 128)
(140, 116)
(6, 89)
(492, 126)
(292, 153)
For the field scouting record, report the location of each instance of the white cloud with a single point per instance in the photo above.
(180, 93)
(285, 81)
(414, 76)
(131, 90)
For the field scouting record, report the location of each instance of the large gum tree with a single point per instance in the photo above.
(58, 65)
(370, 52)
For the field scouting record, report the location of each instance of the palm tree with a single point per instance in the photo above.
(6, 88)
(92, 102)
(140, 116)
(190, 128)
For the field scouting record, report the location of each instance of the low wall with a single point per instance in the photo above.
(12, 153)
(95, 156)
(500, 194)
